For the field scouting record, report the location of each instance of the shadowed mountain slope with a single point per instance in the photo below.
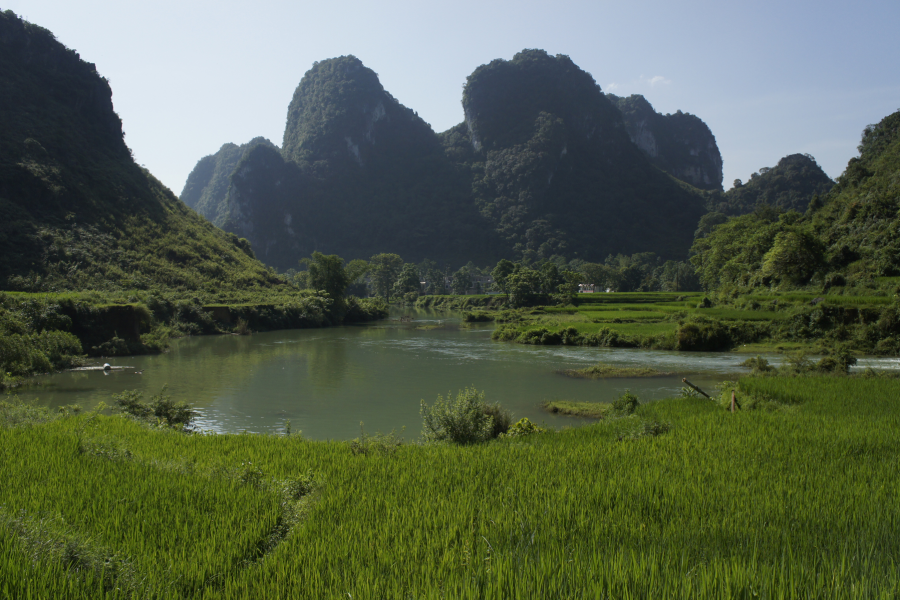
(76, 212)
(542, 165)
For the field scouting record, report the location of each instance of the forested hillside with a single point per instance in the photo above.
(208, 183)
(554, 171)
(542, 166)
(789, 185)
(358, 174)
(76, 212)
(849, 236)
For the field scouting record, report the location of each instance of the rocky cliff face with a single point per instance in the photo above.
(554, 170)
(358, 174)
(207, 185)
(268, 204)
(680, 143)
(542, 165)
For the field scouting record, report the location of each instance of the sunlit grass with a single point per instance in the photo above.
(634, 315)
(800, 502)
(734, 314)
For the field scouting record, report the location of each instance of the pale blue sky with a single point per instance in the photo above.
(769, 78)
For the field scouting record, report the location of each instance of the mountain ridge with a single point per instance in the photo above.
(76, 211)
(370, 176)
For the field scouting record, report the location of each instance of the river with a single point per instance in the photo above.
(327, 381)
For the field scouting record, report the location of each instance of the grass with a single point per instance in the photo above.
(624, 315)
(570, 408)
(708, 504)
(637, 297)
(603, 370)
(833, 299)
(775, 347)
(669, 321)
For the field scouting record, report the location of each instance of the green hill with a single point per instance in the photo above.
(76, 212)
(789, 185)
(542, 165)
(680, 144)
(554, 170)
(859, 221)
(849, 236)
(358, 174)
(208, 183)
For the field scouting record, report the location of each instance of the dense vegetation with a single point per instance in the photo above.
(847, 238)
(815, 324)
(542, 166)
(76, 212)
(790, 185)
(40, 333)
(111, 262)
(679, 143)
(796, 497)
(208, 182)
(358, 174)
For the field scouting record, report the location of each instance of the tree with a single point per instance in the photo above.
(385, 269)
(570, 281)
(523, 285)
(433, 277)
(602, 276)
(326, 273)
(462, 281)
(407, 281)
(356, 270)
(550, 278)
(794, 257)
(501, 272)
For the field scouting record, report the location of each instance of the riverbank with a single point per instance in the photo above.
(593, 511)
(46, 332)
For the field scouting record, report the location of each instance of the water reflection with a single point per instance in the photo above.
(326, 381)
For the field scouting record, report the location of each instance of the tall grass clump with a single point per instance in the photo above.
(466, 419)
(161, 408)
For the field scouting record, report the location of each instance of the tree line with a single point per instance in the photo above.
(388, 276)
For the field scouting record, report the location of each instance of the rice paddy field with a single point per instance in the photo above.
(798, 498)
(655, 319)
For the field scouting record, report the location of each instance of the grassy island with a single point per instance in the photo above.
(604, 371)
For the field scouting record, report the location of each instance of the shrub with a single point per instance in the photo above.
(463, 420)
(838, 360)
(478, 316)
(242, 327)
(758, 365)
(649, 429)
(380, 443)
(161, 408)
(501, 419)
(522, 427)
(709, 335)
(626, 404)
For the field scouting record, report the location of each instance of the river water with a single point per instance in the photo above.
(327, 381)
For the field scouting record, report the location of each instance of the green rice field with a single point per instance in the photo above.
(657, 320)
(683, 499)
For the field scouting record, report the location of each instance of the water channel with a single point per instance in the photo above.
(327, 381)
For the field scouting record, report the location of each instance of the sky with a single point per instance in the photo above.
(770, 78)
